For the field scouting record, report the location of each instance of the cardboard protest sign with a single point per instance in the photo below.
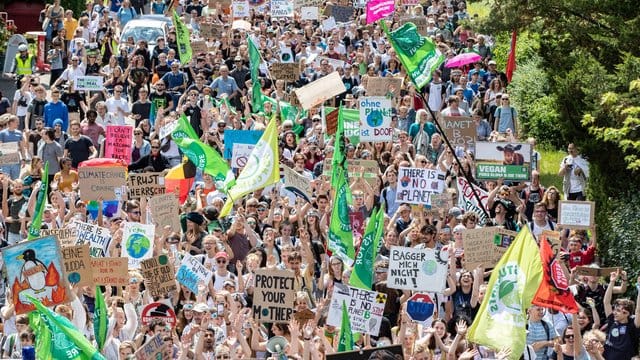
(273, 295)
(159, 310)
(375, 119)
(366, 354)
(240, 137)
(299, 4)
(165, 211)
(510, 161)
(303, 316)
(36, 268)
(576, 214)
(137, 242)
(192, 273)
(417, 269)
(288, 72)
(167, 129)
(442, 201)
(589, 271)
(383, 86)
(461, 131)
(554, 238)
(118, 142)
(281, 8)
(158, 273)
(100, 181)
(110, 271)
(209, 31)
(310, 13)
(297, 183)
(66, 236)
(421, 24)
(365, 308)
(354, 170)
(340, 13)
(199, 47)
(97, 237)
(331, 121)
(145, 184)
(77, 264)
(416, 185)
(240, 9)
(9, 154)
(317, 92)
(92, 83)
(241, 25)
(467, 200)
(485, 246)
(152, 349)
(240, 155)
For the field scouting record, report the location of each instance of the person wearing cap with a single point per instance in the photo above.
(175, 82)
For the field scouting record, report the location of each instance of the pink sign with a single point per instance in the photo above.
(117, 144)
(378, 9)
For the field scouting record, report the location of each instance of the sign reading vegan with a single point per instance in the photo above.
(365, 308)
(100, 181)
(417, 269)
(461, 131)
(97, 237)
(137, 240)
(375, 119)
(110, 271)
(117, 144)
(145, 184)
(510, 161)
(93, 83)
(416, 185)
(576, 214)
(159, 278)
(273, 296)
(192, 273)
(77, 264)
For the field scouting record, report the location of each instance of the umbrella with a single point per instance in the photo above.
(463, 59)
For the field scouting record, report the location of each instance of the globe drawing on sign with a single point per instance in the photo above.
(137, 245)
(429, 267)
(374, 118)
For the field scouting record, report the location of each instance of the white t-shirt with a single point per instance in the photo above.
(113, 105)
(22, 110)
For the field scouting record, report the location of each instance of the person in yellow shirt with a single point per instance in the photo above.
(70, 25)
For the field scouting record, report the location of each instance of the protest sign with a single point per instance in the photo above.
(92, 83)
(241, 137)
(152, 349)
(9, 153)
(159, 278)
(97, 237)
(417, 269)
(241, 25)
(77, 264)
(273, 295)
(416, 185)
(281, 8)
(118, 142)
(317, 92)
(297, 183)
(461, 131)
(375, 119)
(442, 201)
(168, 128)
(100, 181)
(66, 236)
(509, 161)
(329, 24)
(467, 200)
(110, 271)
(485, 246)
(192, 273)
(165, 209)
(576, 214)
(378, 9)
(209, 31)
(355, 169)
(357, 223)
(145, 184)
(199, 47)
(365, 308)
(240, 9)
(340, 13)
(368, 353)
(383, 86)
(288, 72)
(310, 13)
(299, 4)
(330, 123)
(36, 268)
(137, 241)
(240, 155)
(597, 272)
(159, 310)
(554, 239)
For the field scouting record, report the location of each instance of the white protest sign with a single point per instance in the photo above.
(240, 9)
(576, 214)
(137, 240)
(417, 269)
(467, 200)
(273, 295)
(317, 92)
(191, 273)
(281, 8)
(168, 128)
(93, 83)
(240, 155)
(375, 119)
(297, 183)
(309, 13)
(329, 24)
(97, 237)
(365, 308)
(416, 185)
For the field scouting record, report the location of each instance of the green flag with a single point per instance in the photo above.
(254, 68)
(418, 54)
(184, 130)
(100, 319)
(346, 337)
(41, 201)
(340, 230)
(182, 39)
(57, 338)
(153, 113)
(362, 275)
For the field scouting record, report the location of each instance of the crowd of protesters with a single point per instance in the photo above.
(270, 228)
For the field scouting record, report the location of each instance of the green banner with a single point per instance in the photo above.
(507, 172)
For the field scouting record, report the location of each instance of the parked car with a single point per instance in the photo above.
(145, 29)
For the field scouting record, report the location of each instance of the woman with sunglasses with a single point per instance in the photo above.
(570, 346)
(154, 161)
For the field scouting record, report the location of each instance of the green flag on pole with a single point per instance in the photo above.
(41, 201)
(346, 337)
(100, 319)
(254, 68)
(340, 230)
(418, 54)
(362, 275)
(183, 39)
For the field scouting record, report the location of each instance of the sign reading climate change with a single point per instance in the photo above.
(510, 161)
(138, 242)
(415, 185)
(365, 308)
(417, 269)
(375, 119)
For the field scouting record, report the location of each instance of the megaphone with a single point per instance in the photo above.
(276, 345)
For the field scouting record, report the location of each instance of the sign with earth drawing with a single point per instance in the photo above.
(375, 119)
(138, 243)
(417, 269)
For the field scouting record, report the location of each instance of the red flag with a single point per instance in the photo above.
(511, 61)
(554, 292)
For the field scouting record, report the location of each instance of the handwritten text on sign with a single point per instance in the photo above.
(460, 130)
(576, 214)
(192, 273)
(417, 269)
(100, 181)
(365, 308)
(118, 142)
(158, 275)
(96, 236)
(375, 119)
(145, 184)
(415, 185)
(77, 264)
(273, 296)
(110, 271)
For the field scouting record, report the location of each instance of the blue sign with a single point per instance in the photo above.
(241, 137)
(420, 307)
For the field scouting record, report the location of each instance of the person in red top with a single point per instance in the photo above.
(578, 257)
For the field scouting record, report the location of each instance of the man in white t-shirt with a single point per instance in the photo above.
(118, 106)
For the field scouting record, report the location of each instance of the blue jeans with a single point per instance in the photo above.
(13, 170)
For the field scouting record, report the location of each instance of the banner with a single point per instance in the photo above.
(576, 214)
(317, 92)
(77, 265)
(183, 39)
(468, 202)
(118, 142)
(378, 9)
(365, 308)
(192, 273)
(484, 247)
(159, 278)
(41, 201)
(165, 210)
(240, 9)
(509, 161)
(100, 181)
(296, 183)
(145, 184)
(460, 130)
(273, 295)
(232, 137)
(137, 241)
(416, 185)
(418, 269)
(97, 237)
(91, 83)
(110, 271)
(375, 119)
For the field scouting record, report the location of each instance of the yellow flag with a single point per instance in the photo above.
(514, 281)
(262, 168)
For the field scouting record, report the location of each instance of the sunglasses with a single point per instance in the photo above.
(221, 261)
(570, 336)
(135, 212)
(155, 147)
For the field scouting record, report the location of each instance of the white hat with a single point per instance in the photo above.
(23, 47)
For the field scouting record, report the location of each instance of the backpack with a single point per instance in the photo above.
(500, 112)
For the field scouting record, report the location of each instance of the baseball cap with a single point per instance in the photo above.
(221, 254)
